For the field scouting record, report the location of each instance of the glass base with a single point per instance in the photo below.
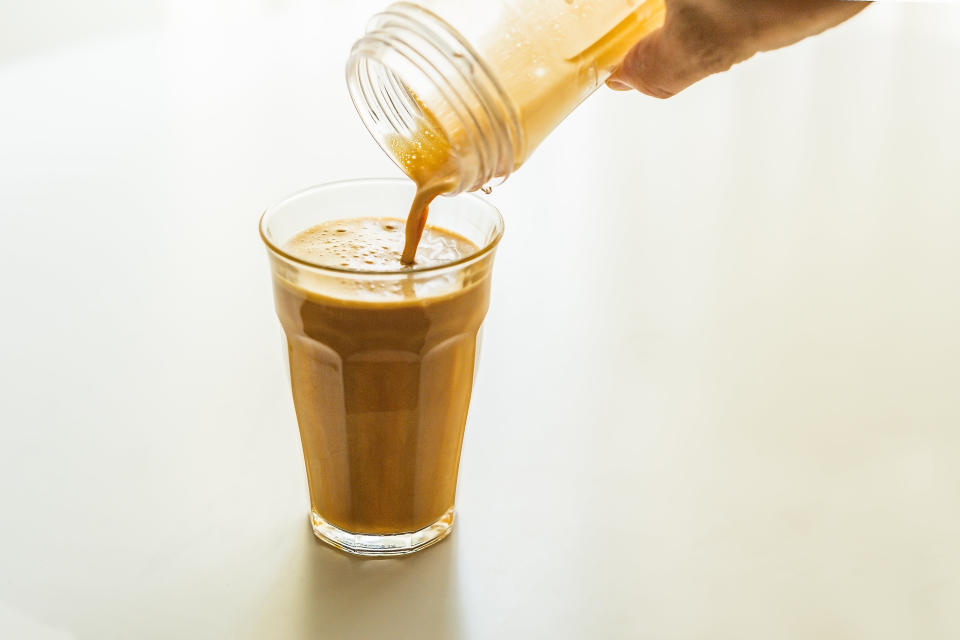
(396, 544)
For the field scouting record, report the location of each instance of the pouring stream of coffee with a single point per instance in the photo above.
(428, 159)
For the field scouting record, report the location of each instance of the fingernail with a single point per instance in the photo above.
(618, 85)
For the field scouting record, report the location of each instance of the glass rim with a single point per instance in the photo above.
(480, 253)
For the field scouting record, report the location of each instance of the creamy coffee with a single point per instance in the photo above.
(429, 161)
(381, 377)
(374, 244)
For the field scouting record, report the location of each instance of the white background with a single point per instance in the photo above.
(720, 393)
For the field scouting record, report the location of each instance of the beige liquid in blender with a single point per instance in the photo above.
(548, 55)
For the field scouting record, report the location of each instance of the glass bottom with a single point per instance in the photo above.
(397, 544)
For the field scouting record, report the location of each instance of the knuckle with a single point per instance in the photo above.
(703, 39)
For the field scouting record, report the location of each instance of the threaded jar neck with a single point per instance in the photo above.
(411, 71)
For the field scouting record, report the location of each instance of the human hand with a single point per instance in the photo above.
(702, 37)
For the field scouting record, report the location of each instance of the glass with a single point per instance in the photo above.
(489, 78)
(381, 367)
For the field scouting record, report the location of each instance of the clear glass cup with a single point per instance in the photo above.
(381, 366)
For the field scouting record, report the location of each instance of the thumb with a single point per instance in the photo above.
(645, 69)
(684, 50)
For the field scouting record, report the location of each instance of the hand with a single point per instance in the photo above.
(702, 37)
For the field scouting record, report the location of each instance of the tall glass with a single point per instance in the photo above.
(381, 366)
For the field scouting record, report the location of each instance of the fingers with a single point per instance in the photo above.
(690, 46)
(648, 70)
(618, 85)
(701, 38)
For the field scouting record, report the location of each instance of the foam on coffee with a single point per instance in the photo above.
(374, 244)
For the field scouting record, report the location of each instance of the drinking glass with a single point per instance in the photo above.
(382, 365)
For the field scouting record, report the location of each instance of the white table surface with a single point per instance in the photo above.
(734, 412)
